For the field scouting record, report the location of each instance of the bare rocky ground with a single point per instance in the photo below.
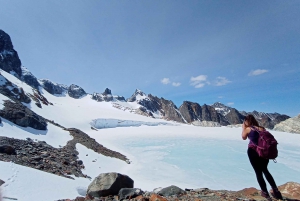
(62, 161)
(203, 194)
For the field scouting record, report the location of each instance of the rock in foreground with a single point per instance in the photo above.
(109, 184)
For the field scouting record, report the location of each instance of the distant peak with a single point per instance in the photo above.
(107, 91)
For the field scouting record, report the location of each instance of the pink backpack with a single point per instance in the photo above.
(267, 145)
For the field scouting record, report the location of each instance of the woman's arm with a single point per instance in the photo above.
(245, 131)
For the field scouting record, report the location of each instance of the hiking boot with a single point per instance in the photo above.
(276, 194)
(266, 195)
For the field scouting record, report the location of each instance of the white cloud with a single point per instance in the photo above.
(257, 72)
(199, 81)
(165, 81)
(176, 84)
(220, 97)
(222, 81)
(199, 85)
(230, 103)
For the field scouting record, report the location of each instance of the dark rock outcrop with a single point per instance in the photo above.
(9, 59)
(22, 116)
(53, 88)
(41, 156)
(135, 95)
(106, 96)
(191, 111)
(29, 78)
(109, 184)
(75, 91)
(234, 117)
(12, 91)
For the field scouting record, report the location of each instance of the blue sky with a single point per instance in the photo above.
(245, 54)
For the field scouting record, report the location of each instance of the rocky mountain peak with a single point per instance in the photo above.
(107, 91)
(9, 59)
(106, 96)
(137, 95)
(221, 108)
(75, 91)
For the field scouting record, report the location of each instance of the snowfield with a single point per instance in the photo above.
(162, 153)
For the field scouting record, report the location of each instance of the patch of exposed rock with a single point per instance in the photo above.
(291, 125)
(53, 88)
(106, 96)
(38, 98)
(75, 91)
(166, 108)
(60, 161)
(84, 139)
(22, 116)
(39, 155)
(9, 59)
(29, 78)
(12, 91)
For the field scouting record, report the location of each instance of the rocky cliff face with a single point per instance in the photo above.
(53, 88)
(191, 111)
(9, 59)
(12, 91)
(22, 116)
(29, 78)
(234, 117)
(194, 112)
(75, 91)
(291, 125)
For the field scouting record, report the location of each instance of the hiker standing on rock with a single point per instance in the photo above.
(260, 165)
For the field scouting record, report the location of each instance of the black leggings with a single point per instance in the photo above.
(260, 166)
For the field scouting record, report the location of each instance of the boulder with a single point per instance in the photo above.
(129, 193)
(109, 184)
(171, 190)
(7, 149)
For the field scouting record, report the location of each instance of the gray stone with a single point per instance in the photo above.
(7, 149)
(1, 182)
(129, 193)
(109, 184)
(171, 190)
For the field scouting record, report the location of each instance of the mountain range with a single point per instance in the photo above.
(140, 103)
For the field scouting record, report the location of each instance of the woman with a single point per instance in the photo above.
(260, 165)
